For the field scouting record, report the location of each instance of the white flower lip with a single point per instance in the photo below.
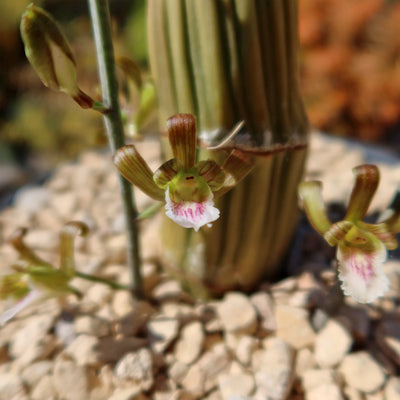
(190, 214)
(362, 273)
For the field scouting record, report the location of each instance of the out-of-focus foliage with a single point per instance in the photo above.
(350, 52)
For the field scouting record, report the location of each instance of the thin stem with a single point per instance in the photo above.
(104, 281)
(99, 14)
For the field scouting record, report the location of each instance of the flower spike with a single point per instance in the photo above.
(188, 188)
(361, 247)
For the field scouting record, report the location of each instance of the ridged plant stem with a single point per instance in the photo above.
(100, 18)
(228, 61)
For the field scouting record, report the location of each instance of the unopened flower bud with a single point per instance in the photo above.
(50, 55)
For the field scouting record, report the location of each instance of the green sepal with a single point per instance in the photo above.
(236, 167)
(134, 168)
(337, 232)
(382, 232)
(366, 183)
(182, 138)
(212, 173)
(166, 173)
(311, 195)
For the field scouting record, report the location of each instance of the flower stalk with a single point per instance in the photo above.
(100, 18)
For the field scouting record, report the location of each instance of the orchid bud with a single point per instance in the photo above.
(50, 55)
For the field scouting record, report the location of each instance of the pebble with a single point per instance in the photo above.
(362, 372)
(11, 387)
(32, 199)
(315, 377)
(245, 347)
(84, 350)
(265, 310)
(392, 388)
(273, 368)
(44, 389)
(40, 343)
(326, 391)
(235, 385)
(190, 343)
(132, 393)
(163, 331)
(293, 326)
(138, 367)
(70, 380)
(237, 314)
(328, 355)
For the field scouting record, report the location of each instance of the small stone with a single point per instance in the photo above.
(237, 314)
(97, 295)
(293, 326)
(315, 377)
(123, 303)
(362, 372)
(32, 198)
(90, 325)
(326, 354)
(138, 367)
(84, 350)
(42, 239)
(265, 310)
(273, 368)
(244, 349)
(305, 360)
(40, 343)
(131, 393)
(167, 290)
(326, 391)
(33, 372)
(190, 343)
(44, 389)
(392, 389)
(375, 396)
(64, 204)
(163, 331)
(352, 394)
(104, 384)
(70, 380)
(178, 371)
(11, 387)
(235, 385)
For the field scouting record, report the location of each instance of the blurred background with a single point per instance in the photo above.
(350, 79)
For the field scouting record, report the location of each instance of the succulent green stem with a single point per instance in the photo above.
(100, 18)
(104, 281)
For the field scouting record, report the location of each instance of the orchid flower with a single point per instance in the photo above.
(187, 187)
(361, 247)
(34, 279)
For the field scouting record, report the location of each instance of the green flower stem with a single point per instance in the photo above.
(99, 14)
(111, 284)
